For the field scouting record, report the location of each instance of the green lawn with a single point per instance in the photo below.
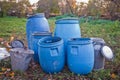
(108, 30)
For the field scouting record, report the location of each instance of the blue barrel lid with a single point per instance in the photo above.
(78, 41)
(50, 41)
(67, 21)
(37, 15)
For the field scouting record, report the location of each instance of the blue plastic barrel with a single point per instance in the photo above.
(36, 23)
(34, 44)
(80, 55)
(51, 54)
(67, 28)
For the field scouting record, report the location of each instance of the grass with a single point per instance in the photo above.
(12, 26)
(108, 30)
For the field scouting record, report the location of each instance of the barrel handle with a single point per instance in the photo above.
(38, 43)
(30, 42)
(74, 50)
(54, 51)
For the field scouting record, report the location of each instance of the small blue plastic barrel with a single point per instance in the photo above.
(67, 28)
(51, 54)
(80, 55)
(36, 23)
(34, 42)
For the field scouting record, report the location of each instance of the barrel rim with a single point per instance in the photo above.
(41, 33)
(60, 21)
(78, 41)
(24, 51)
(47, 44)
(38, 15)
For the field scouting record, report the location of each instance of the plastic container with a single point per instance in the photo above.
(36, 23)
(51, 54)
(3, 53)
(67, 28)
(80, 55)
(34, 44)
(20, 58)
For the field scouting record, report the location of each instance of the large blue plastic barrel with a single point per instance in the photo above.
(34, 44)
(51, 54)
(36, 23)
(80, 55)
(67, 28)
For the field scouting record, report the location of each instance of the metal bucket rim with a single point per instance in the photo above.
(21, 49)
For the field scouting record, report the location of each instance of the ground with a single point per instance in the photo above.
(106, 29)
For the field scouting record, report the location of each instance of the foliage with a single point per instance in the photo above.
(11, 6)
(72, 6)
(108, 8)
(94, 7)
(65, 16)
(48, 6)
(113, 9)
(12, 26)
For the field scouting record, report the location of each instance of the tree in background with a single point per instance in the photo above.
(22, 7)
(113, 8)
(57, 6)
(1, 11)
(68, 6)
(81, 9)
(94, 7)
(108, 8)
(5, 6)
(13, 8)
(48, 6)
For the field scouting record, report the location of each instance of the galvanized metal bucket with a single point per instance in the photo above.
(99, 62)
(20, 58)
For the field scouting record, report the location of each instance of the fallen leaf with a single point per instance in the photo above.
(6, 44)
(1, 39)
(1, 73)
(8, 49)
(12, 74)
(4, 69)
(11, 38)
(6, 74)
(8, 69)
(113, 76)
